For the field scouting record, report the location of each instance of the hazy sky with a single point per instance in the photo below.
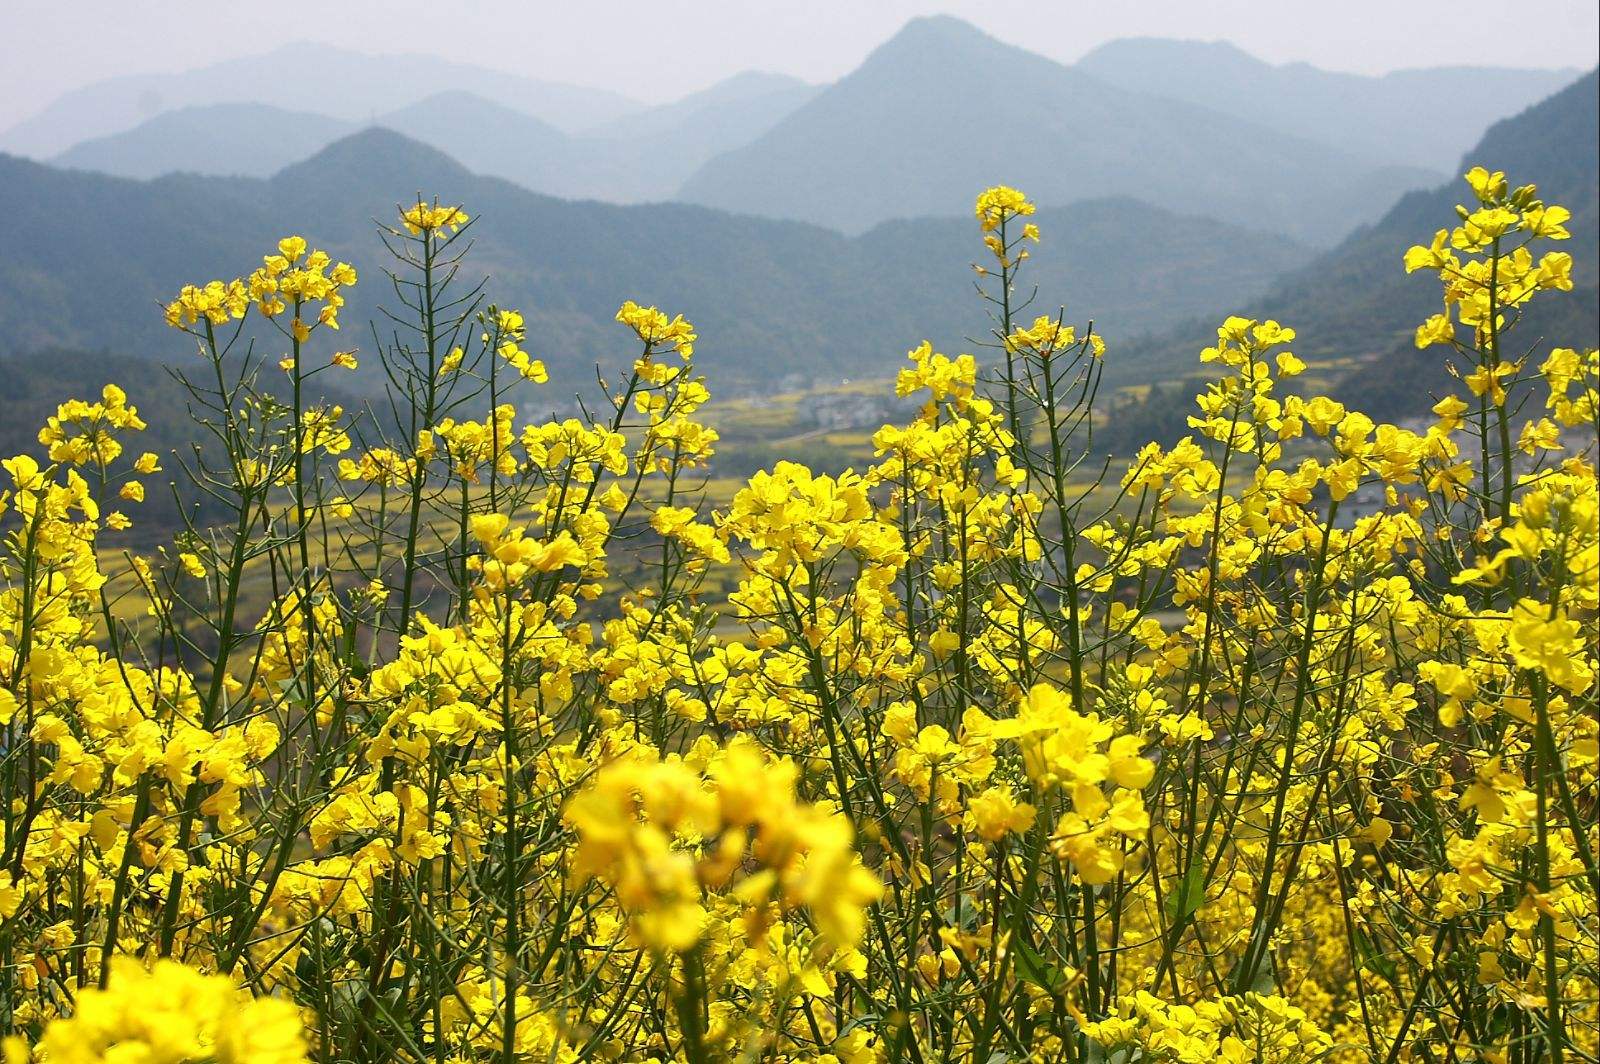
(658, 50)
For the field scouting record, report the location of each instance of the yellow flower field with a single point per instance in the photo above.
(1275, 746)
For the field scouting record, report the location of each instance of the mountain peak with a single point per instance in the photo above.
(749, 83)
(234, 138)
(463, 104)
(1140, 52)
(942, 52)
(929, 36)
(943, 25)
(458, 98)
(376, 153)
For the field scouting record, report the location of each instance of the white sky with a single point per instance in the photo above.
(657, 50)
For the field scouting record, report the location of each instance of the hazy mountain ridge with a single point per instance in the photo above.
(224, 139)
(1291, 148)
(348, 85)
(757, 91)
(1423, 117)
(942, 108)
(1355, 301)
(641, 157)
(93, 255)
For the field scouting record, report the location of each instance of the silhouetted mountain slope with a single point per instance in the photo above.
(737, 108)
(639, 159)
(347, 85)
(1552, 144)
(644, 156)
(942, 109)
(91, 256)
(244, 139)
(1200, 129)
(1424, 117)
(489, 139)
(1356, 302)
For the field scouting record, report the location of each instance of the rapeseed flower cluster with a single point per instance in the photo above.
(458, 737)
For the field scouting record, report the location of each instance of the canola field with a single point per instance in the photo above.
(449, 736)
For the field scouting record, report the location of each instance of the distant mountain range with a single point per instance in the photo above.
(906, 135)
(90, 256)
(346, 85)
(1424, 118)
(1356, 310)
(936, 111)
(223, 139)
(643, 156)
(1132, 186)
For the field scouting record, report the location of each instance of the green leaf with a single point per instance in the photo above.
(1191, 893)
(1032, 968)
(1372, 958)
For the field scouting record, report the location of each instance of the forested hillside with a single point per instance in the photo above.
(92, 255)
(903, 136)
(1354, 307)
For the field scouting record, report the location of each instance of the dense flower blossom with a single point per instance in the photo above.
(463, 737)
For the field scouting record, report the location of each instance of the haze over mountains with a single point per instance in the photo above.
(643, 156)
(1423, 118)
(901, 136)
(342, 84)
(92, 256)
(1160, 216)
(1355, 300)
(1355, 308)
(939, 109)
(226, 139)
